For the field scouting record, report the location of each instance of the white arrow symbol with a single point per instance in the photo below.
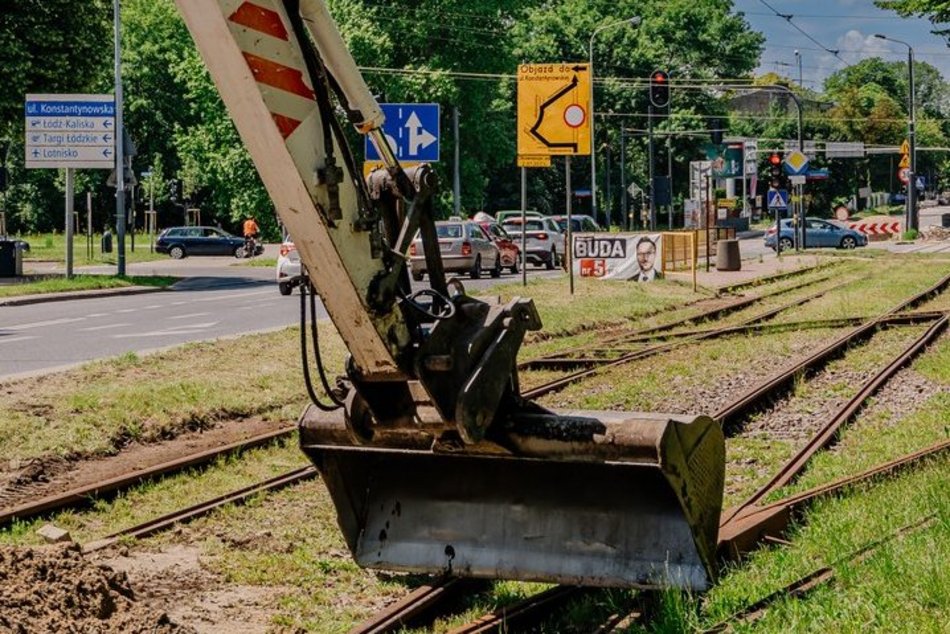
(419, 138)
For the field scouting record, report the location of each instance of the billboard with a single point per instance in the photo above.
(618, 256)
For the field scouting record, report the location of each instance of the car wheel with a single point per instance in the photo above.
(496, 270)
(285, 288)
(177, 252)
(514, 267)
(848, 242)
(476, 271)
(785, 244)
(417, 275)
(552, 261)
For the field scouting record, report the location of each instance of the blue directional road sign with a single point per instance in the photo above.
(778, 199)
(412, 130)
(76, 131)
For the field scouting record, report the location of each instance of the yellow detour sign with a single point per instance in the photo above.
(553, 109)
(905, 147)
(543, 160)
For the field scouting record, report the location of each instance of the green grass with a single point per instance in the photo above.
(51, 247)
(289, 542)
(258, 263)
(83, 283)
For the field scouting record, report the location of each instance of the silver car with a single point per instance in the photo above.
(465, 248)
(544, 240)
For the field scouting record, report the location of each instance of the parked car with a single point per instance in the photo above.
(509, 249)
(288, 267)
(896, 199)
(465, 248)
(180, 242)
(544, 242)
(580, 224)
(818, 233)
(508, 214)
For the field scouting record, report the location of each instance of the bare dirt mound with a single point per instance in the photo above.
(55, 589)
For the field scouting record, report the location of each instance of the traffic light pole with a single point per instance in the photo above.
(650, 165)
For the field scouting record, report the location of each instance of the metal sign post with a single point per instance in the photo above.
(89, 250)
(69, 222)
(524, 226)
(119, 149)
(569, 247)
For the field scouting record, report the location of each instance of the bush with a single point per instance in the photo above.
(910, 234)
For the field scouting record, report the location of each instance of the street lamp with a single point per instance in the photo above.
(798, 57)
(634, 21)
(911, 125)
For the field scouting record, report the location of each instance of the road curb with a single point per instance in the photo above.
(42, 298)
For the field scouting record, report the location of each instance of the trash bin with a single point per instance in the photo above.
(727, 256)
(11, 259)
(106, 242)
(945, 221)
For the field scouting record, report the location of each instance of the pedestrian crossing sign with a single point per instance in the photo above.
(778, 199)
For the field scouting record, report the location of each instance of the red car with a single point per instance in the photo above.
(509, 249)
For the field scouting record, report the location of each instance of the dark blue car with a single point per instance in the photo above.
(818, 234)
(179, 242)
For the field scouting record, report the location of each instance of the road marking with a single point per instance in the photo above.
(189, 316)
(104, 327)
(15, 339)
(92, 315)
(179, 303)
(233, 296)
(170, 332)
(127, 310)
(41, 324)
(153, 307)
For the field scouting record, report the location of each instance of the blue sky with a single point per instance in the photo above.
(845, 25)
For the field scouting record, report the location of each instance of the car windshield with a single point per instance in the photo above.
(530, 225)
(449, 231)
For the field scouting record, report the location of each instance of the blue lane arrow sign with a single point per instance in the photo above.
(412, 130)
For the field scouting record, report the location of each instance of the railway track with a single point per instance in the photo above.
(756, 523)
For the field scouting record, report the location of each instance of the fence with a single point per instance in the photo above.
(682, 249)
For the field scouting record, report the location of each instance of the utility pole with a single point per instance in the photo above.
(456, 176)
(119, 146)
(911, 213)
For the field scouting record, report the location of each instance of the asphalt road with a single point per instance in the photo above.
(216, 300)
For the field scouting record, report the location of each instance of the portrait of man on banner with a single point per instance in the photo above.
(648, 265)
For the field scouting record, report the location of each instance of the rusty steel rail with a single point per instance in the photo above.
(417, 604)
(818, 577)
(563, 360)
(204, 508)
(523, 613)
(82, 495)
(742, 529)
(652, 332)
(768, 279)
(573, 377)
(824, 436)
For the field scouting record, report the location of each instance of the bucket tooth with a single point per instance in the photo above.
(581, 498)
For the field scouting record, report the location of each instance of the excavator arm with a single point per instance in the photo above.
(436, 463)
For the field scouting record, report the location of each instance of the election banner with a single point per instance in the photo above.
(618, 256)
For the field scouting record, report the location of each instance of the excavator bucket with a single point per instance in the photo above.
(581, 498)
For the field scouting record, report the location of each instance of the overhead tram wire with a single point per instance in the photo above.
(788, 18)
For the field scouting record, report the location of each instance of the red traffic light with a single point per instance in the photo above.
(775, 159)
(659, 77)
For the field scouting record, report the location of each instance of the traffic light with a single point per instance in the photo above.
(775, 170)
(660, 89)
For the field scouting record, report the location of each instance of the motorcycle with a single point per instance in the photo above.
(252, 248)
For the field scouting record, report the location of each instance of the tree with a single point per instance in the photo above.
(696, 42)
(48, 46)
(938, 11)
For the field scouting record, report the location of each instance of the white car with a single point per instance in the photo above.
(288, 268)
(544, 241)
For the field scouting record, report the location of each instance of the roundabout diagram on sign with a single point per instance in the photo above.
(553, 109)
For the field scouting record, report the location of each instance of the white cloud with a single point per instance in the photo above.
(855, 46)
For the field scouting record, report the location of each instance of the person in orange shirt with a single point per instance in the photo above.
(250, 228)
